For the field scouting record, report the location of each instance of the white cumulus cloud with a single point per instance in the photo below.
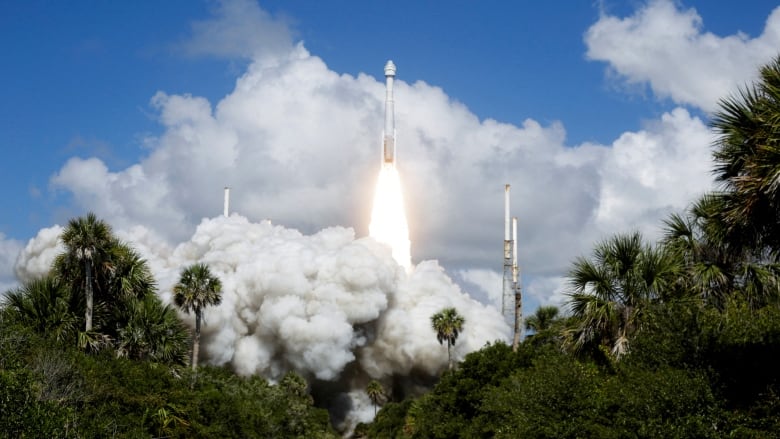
(665, 46)
(238, 29)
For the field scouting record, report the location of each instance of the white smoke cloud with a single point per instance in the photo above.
(666, 47)
(310, 302)
(9, 249)
(37, 257)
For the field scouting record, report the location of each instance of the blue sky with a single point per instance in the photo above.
(79, 79)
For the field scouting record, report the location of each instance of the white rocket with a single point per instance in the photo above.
(388, 148)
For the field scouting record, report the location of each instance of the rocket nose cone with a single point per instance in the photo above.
(390, 68)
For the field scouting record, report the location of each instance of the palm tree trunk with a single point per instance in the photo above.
(449, 357)
(88, 292)
(196, 340)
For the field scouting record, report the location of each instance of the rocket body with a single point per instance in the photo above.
(388, 141)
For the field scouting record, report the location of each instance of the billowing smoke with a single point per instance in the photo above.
(37, 257)
(337, 309)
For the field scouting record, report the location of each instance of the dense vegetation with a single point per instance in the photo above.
(674, 340)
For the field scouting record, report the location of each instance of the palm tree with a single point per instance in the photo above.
(130, 276)
(151, 331)
(375, 393)
(609, 291)
(87, 240)
(716, 270)
(747, 162)
(197, 289)
(448, 324)
(542, 319)
(45, 305)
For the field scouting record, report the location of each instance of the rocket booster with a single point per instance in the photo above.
(388, 141)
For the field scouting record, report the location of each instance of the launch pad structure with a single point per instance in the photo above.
(511, 294)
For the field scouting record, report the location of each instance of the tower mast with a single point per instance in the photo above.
(507, 293)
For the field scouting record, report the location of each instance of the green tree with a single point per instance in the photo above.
(87, 240)
(104, 275)
(453, 408)
(447, 324)
(747, 162)
(609, 290)
(713, 269)
(197, 289)
(151, 331)
(130, 276)
(375, 393)
(44, 305)
(542, 319)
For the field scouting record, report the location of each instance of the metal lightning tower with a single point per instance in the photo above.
(516, 286)
(507, 294)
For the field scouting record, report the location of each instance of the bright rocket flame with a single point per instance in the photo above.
(388, 218)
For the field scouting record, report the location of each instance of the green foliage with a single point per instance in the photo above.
(127, 316)
(747, 157)
(152, 331)
(550, 399)
(84, 264)
(389, 422)
(447, 324)
(662, 403)
(744, 352)
(693, 371)
(230, 406)
(714, 269)
(197, 289)
(547, 325)
(547, 393)
(376, 393)
(611, 290)
(543, 319)
(25, 415)
(45, 305)
(738, 347)
(48, 390)
(453, 406)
